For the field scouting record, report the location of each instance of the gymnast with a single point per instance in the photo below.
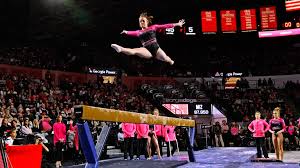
(147, 36)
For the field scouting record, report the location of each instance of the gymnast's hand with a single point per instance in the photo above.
(124, 32)
(181, 22)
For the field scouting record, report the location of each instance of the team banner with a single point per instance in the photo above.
(248, 20)
(228, 20)
(209, 21)
(268, 18)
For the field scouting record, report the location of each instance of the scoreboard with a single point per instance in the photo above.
(229, 21)
(196, 108)
(237, 19)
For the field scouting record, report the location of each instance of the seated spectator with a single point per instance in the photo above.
(12, 136)
(45, 124)
(36, 126)
(26, 129)
(4, 127)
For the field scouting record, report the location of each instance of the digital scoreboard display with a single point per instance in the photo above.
(199, 109)
(189, 108)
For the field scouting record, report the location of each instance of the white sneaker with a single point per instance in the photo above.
(116, 47)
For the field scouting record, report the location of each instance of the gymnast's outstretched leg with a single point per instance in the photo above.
(161, 55)
(141, 52)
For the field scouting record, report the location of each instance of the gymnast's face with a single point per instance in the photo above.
(143, 22)
(276, 114)
(257, 116)
(156, 112)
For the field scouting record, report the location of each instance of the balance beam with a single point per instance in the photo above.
(103, 114)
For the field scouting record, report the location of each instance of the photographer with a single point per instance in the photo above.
(39, 141)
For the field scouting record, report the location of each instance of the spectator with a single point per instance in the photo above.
(4, 127)
(59, 130)
(36, 126)
(270, 82)
(26, 129)
(12, 136)
(234, 131)
(225, 133)
(218, 134)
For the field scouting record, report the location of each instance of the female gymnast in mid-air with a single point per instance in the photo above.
(147, 36)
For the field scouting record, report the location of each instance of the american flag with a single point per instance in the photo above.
(292, 5)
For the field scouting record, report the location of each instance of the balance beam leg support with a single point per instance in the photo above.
(87, 145)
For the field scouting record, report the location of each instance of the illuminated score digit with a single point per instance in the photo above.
(288, 24)
(170, 31)
(190, 31)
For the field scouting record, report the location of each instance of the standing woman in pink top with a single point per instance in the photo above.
(259, 127)
(59, 129)
(291, 134)
(234, 131)
(159, 131)
(170, 138)
(129, 131)
(277, 127)
(147, 36)
(142, 140)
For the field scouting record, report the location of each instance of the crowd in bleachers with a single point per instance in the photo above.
(30, 106)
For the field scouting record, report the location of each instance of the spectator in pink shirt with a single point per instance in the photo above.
(129, 131)
(291, 134)
(59, 129)
(234, 131)
(259, 127)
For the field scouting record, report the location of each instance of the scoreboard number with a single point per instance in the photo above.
(170, 31)
(200, 111)
(190, 31)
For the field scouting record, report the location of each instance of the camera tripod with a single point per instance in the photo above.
(3, 153)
